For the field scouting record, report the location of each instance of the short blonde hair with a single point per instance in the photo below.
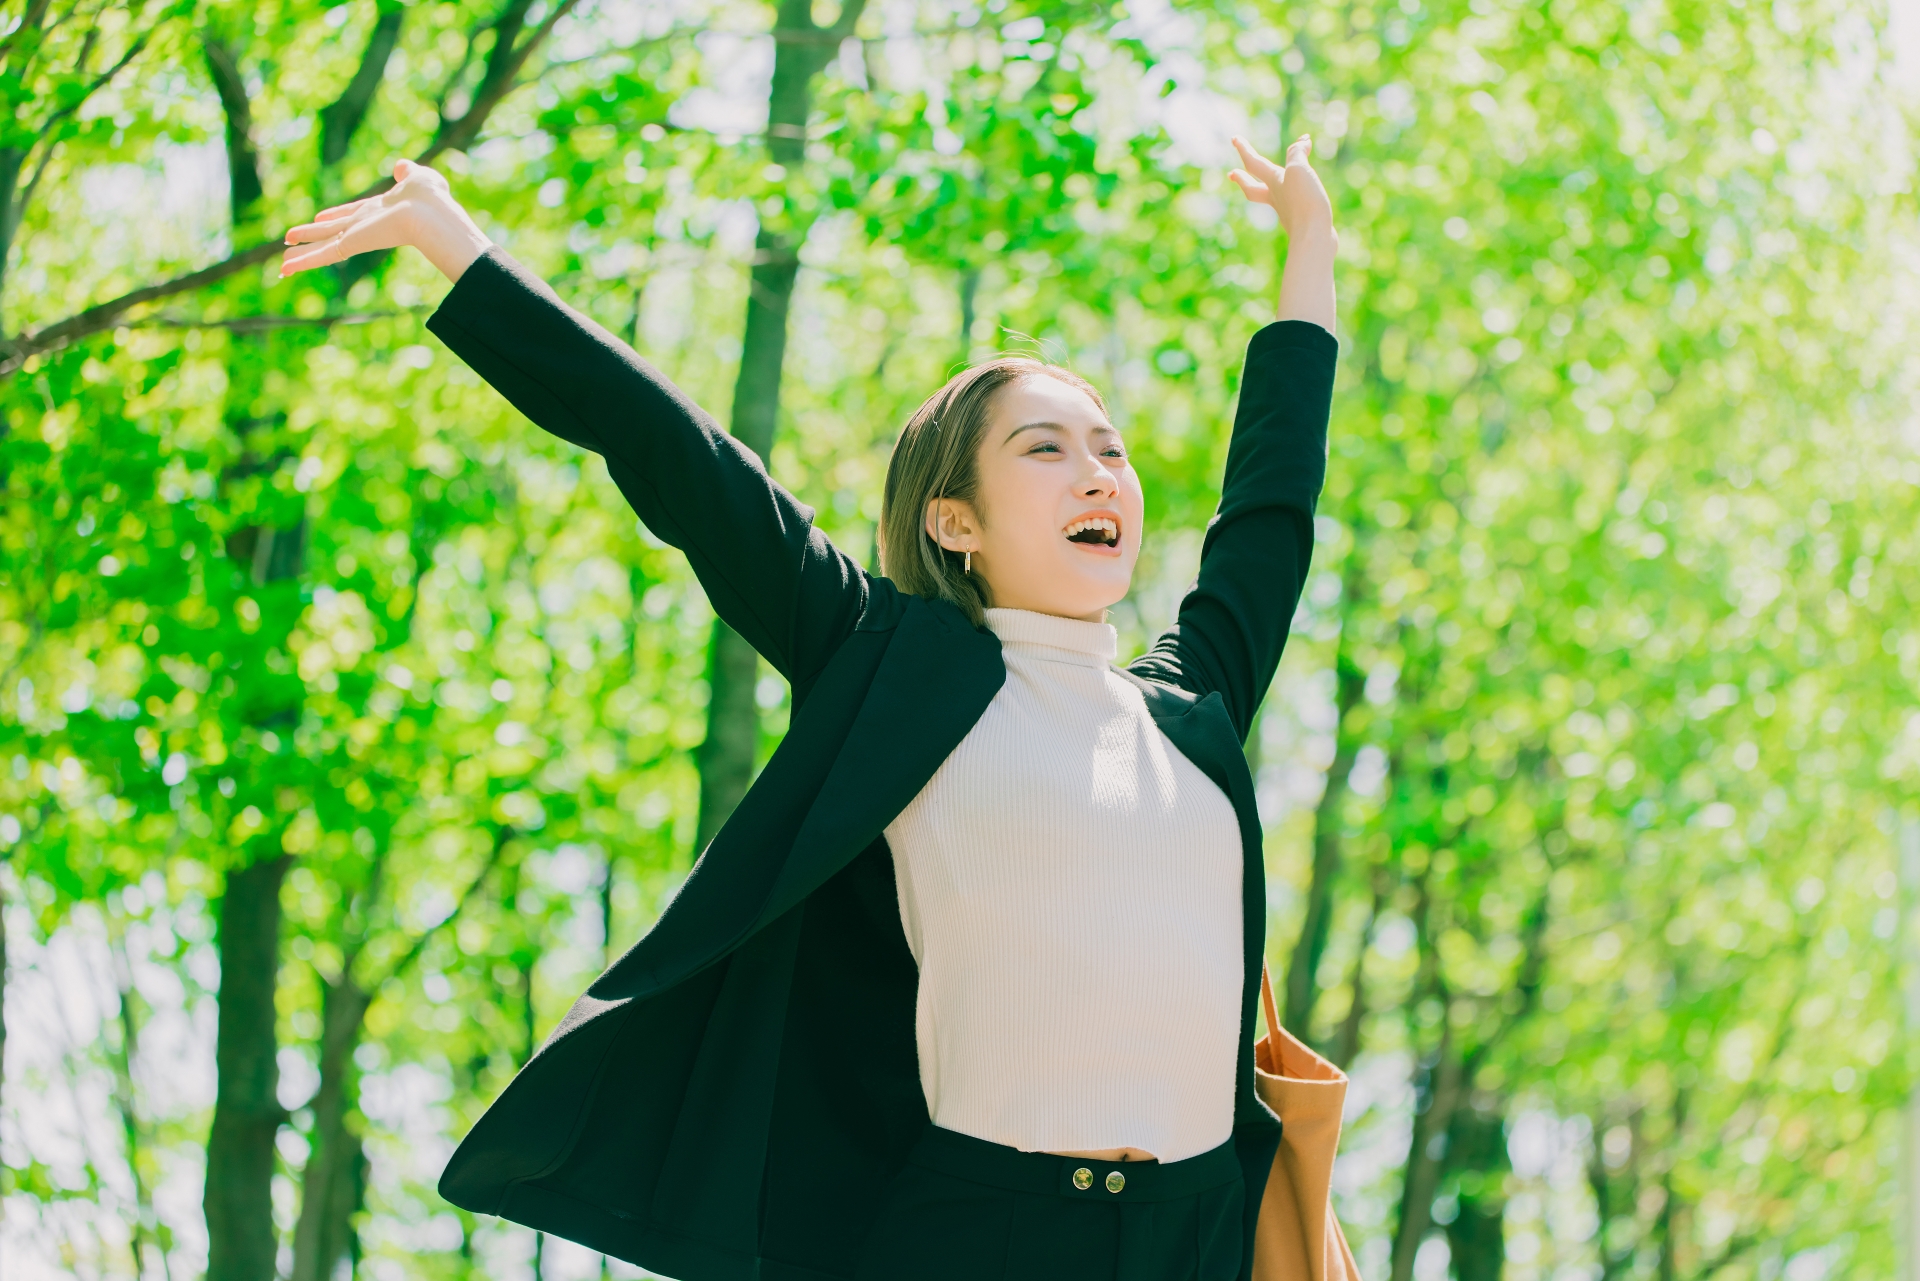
(938, 456)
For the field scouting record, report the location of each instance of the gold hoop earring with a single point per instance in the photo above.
(969, 562)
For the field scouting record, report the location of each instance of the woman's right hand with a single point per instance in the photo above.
(418, 210)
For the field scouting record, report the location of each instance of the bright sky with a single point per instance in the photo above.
(1905, 30)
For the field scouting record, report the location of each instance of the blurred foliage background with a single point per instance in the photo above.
(348, 724)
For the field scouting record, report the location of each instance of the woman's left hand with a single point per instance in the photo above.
(1295, 192)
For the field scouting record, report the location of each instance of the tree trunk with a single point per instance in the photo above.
(330, 1183)
(1667, 1227)
(733, 717)
(733, 726)
(333, 1184)
(1346, 1043)
(1303, 983)
(606, 912)
(1438, 1082)
(1600, 1181)
(529, 1014)
(123, 1055)
(241, 1243)
(969, 291)
(801, 50)
(328, 1192)
(1426, 1155)
(11, 158)
(1477, 1158)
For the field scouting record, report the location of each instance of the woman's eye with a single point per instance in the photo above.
(1045, 447)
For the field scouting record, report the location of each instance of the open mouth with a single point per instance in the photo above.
(1094, 531)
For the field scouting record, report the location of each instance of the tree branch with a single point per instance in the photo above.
(645, 42)
(99, 82)
(501, 837)
(244, 187)
(13, 207)
(256, 324)
(16, 211)
(104, 315)
(1731, 1252)
(29, 22)
(340, 119)
(504, 61)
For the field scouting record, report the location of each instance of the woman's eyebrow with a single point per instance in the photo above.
(1032, 427)
(1104, 429)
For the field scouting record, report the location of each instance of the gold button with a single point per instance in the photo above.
(1083, 1178)
(1116, 1181)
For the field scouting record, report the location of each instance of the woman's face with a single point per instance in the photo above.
(1057, 525)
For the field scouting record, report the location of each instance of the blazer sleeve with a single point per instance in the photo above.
(770, 574)
(1234, 622)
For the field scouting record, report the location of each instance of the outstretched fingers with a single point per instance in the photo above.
(1250, 187)
(329, 223)
(1258, 177)
(1258, 166)
(320, 229)
(338, 240)
(344, 211)
(416, 205)
(324, 254)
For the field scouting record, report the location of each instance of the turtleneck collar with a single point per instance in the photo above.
(1067, 639)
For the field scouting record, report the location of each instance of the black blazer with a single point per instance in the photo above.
(731, 1099)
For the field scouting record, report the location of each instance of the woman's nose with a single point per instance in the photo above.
(1099, 481)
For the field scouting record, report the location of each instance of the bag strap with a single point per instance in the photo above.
(1273, 1013)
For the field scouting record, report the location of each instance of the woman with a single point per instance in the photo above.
(965, 987)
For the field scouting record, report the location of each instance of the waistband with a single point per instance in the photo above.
(964, 1157)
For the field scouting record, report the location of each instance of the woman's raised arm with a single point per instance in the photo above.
(770, 574)
(1253, 564)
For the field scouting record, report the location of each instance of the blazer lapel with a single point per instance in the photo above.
(931, 688)
(832, 788)
(1200, 728)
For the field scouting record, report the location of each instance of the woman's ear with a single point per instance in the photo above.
(951, 522)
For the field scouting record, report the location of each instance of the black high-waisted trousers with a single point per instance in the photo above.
(964, 1209)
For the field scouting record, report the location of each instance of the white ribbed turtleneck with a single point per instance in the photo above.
(1070, 886)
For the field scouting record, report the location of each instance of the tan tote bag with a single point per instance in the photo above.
(1297, 1237)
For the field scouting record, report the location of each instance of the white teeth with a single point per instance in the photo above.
(1106, 524)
